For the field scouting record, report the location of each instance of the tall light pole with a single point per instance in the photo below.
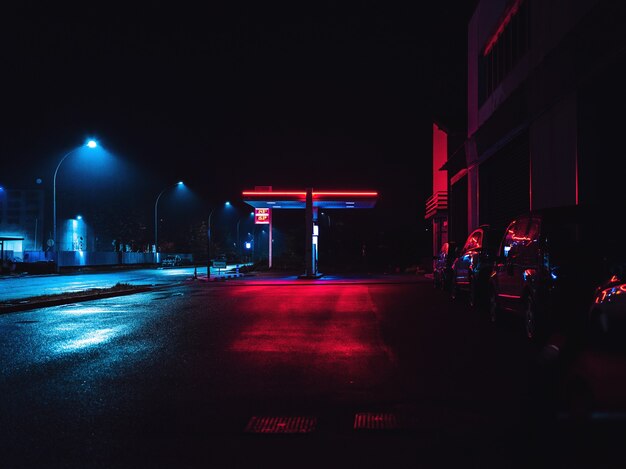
(89, 144)
(251, 214)
(208, 248)
(156, 218)
(324, 213)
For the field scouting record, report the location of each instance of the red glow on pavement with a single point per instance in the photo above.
(325, 319)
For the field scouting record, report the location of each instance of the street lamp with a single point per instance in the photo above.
(251, 214)
(324, 213)
(208, 249)
(89, 144)
(156, 219)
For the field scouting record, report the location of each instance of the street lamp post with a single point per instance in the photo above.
(156, 218)
(251, 214)
(89, 144)
(208, 248)
(324, 213)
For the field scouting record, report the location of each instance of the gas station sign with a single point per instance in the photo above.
(262, 216)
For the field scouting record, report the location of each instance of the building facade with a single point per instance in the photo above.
(22, 216)
(544, 112)
(437, 203)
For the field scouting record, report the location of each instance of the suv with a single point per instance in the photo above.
(472, 267)
(547, 268)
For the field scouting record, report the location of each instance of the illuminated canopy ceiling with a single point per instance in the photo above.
(321, 199)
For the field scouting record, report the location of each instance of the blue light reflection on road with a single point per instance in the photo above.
(107, 328)
(90, 338)
(17, 287)
(12, 288)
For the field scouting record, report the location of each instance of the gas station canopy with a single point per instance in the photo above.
(321, 199)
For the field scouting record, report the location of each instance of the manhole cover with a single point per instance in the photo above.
(281, 425)
(375, 421)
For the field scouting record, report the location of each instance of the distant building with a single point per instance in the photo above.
(437, 203)
(545, 107)
(21, 215)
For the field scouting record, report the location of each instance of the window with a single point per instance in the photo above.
(507, 45)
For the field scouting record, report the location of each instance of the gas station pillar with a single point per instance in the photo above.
(311, 237)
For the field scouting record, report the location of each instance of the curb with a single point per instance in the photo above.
(34, 304)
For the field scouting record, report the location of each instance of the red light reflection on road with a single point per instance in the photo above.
(320, 319)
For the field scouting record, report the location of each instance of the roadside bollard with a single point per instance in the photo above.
(195, 273)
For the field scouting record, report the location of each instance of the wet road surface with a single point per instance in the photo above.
(384, 373)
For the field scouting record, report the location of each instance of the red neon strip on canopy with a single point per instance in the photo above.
(351, 194)
(276, 193)
(315, 194)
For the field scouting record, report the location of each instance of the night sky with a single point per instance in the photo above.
(227, 97)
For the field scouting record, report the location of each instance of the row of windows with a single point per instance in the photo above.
(32, 194)
(508, 45)
(16, 205)
(34, 212)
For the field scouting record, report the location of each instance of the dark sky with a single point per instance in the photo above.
(228, 97)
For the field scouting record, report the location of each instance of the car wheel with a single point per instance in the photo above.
(494, 308)
(472, 293)
(445, 282)
(531, 319)
(454, 288)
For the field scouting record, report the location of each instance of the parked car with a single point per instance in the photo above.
(607, 314)
(547, 268)
(171, 261)
(442, 265)
(472, 267)
(586, 377)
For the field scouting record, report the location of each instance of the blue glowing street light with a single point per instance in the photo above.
(156, 218)
(208, 250)
(89, 144)
(251, 214)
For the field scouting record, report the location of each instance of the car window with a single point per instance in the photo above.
(528, 243)
(491, 241)
(514, 238)
(444, 250)
(474, 241)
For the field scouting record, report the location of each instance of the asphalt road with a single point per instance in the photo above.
(343, 372)
(19, 287)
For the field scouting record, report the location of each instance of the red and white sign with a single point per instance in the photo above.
(262, 216)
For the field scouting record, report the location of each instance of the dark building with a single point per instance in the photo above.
(546, 94)
(21, 216)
